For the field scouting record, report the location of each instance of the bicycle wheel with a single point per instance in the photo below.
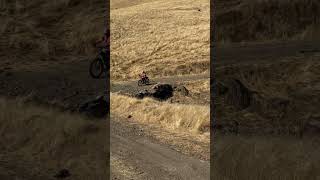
(96, 68)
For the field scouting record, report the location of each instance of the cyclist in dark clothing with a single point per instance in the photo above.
(143, 75)
(104, 44)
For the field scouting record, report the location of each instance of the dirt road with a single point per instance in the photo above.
(135, 156)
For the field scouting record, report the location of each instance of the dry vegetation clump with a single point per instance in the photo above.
(198, 86)
(242, 20)
(198, 93)
(193, 118)
(39, 141)
(265, 158)
(42, 30)
(163, 38)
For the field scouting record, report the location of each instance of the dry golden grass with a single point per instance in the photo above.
(46, 141)
(193, 118)
(117, 4)
(161, 37)
(267, 20)
(40, 30)
(265, 158)
(293, 81)
(276, 78)
(198, 86)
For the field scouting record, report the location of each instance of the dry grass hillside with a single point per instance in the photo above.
(283, 97)
(60, 140)
(40, 32)
(265, 20)
(161, 37)
(192, 118)
(265, 158)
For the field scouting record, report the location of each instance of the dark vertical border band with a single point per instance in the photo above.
(107, 25)
(212, 83)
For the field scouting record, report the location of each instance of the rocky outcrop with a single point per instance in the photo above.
(159, 92)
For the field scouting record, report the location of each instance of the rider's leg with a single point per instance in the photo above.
(103, 54)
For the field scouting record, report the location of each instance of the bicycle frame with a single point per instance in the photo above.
(101, 57)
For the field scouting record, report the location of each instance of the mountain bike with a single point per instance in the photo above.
(98, 65)
(143, 81)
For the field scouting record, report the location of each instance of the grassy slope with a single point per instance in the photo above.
(160, 37)
(292, 81)
(33, 135)
(265, 158)
(34, 32)
(170, 116)
(253, 20)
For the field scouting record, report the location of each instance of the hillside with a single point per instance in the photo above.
(267, 20)
(163, 38)
(38, 32)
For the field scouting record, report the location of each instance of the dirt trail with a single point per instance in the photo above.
(256, 52)
(131, 86)
(65, 85)
(146, 159)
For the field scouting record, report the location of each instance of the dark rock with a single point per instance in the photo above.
(162, 91)
(98, 108)
(159, 92)
(129, 116)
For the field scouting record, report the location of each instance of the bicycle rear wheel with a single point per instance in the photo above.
(96, 68)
